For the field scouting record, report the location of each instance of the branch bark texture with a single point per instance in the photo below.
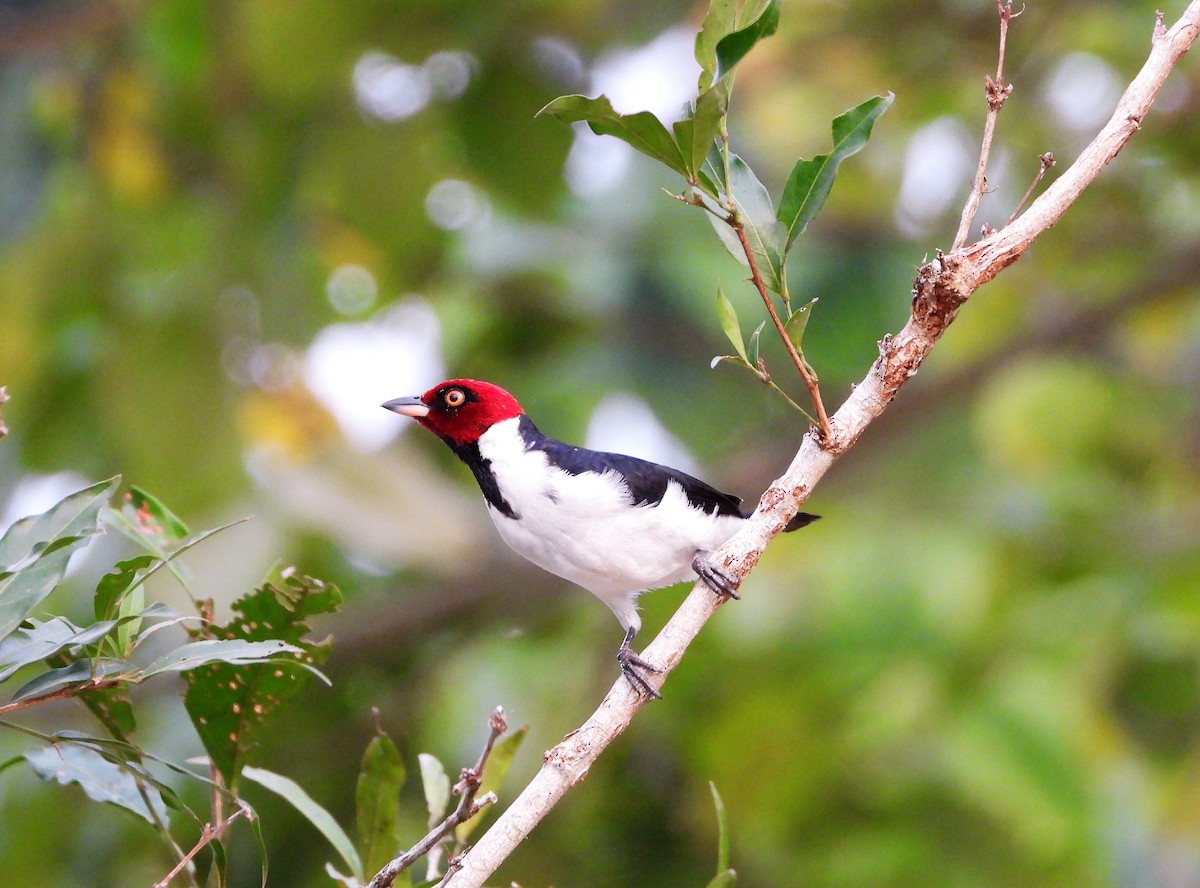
(941, 288)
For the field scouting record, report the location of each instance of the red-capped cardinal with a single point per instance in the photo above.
(615, 525)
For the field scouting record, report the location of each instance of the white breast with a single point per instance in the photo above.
(586, 529)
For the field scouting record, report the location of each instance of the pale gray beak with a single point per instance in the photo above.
(413, 407)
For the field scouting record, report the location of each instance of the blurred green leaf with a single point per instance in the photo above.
(228, 703)
(796, 324)
(810, 181)
(230, 651)
(719, 21)
(764, 233)
(152, 518)
(293, 793)
(49, 540)
(100, 779)
(722, 830)
(494, 773)
(113, 586)
(377, 802)
(642, 130)
(71, 518)
(727, 314)
(695, 133)
(733, 47)
(436, 784)
(77, 673)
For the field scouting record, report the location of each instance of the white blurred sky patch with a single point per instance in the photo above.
(1082, 91)
(659, 77)
(34, 494)
(938, 165)
(352, 368)
(392, 90)
(622, 423)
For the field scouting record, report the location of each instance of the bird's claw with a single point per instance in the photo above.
(632, 667)
(716, 577)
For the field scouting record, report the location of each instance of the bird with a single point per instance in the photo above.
(613, 524)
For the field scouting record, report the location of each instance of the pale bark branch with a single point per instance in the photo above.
(941, 288)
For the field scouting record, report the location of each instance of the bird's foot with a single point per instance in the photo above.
(634, 668)
(716, 577)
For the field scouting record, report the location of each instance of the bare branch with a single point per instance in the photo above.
(211, 832)
(941, 288)
(467, 786)
(1044, 163)
(996, 91)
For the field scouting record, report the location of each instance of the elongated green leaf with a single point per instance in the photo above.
(729, 323)
(294, 794)
(764, 233)
(152, 519)
(494, 773)
(100, 778)
(113, 586)
(377, 801)
(436, 785)
(79, 672)
(34, 643)
(797, 323)
(229, 702)
(696, 133)
(74, 516)
(732, 48)
(232, 651)
(720, 20)
(36, 551)
(811, 180)
(642, 130)
(722, 829)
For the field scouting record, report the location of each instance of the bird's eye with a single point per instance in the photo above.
(455, 398)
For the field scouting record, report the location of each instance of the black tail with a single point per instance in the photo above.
(802, 519)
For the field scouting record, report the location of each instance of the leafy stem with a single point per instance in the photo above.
(802, 367)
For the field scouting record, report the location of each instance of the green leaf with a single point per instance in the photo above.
(736, 360)
(73, 517)
(764, 233)
(726, 879)
(729, 323)
(720, 20)
(232, 651)
(754, 338)
(377, 800)
(152, 519)
(100, 778)
(811, 180)
(37, 549)
(732, 48)
(722, 830)
(436, 784)
(113, 586)
(696, 133)
(34, 643)
(642, 130)
(79, 672)
(294, 794)
(228, 703)
(796, 323)
(494, 773)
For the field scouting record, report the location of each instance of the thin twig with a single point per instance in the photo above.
(3, 401)
(997, 91)
(211, 832)
(467, 786)
(810, 380)
(60, 694)
(941, 288)
(1044, 163)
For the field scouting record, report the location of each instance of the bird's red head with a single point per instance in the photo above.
(459, 410)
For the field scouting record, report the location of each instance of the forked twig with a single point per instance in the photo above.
(997, 91)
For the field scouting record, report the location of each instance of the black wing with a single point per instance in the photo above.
(647, 481)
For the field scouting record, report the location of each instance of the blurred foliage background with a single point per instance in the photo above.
(229, 229)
